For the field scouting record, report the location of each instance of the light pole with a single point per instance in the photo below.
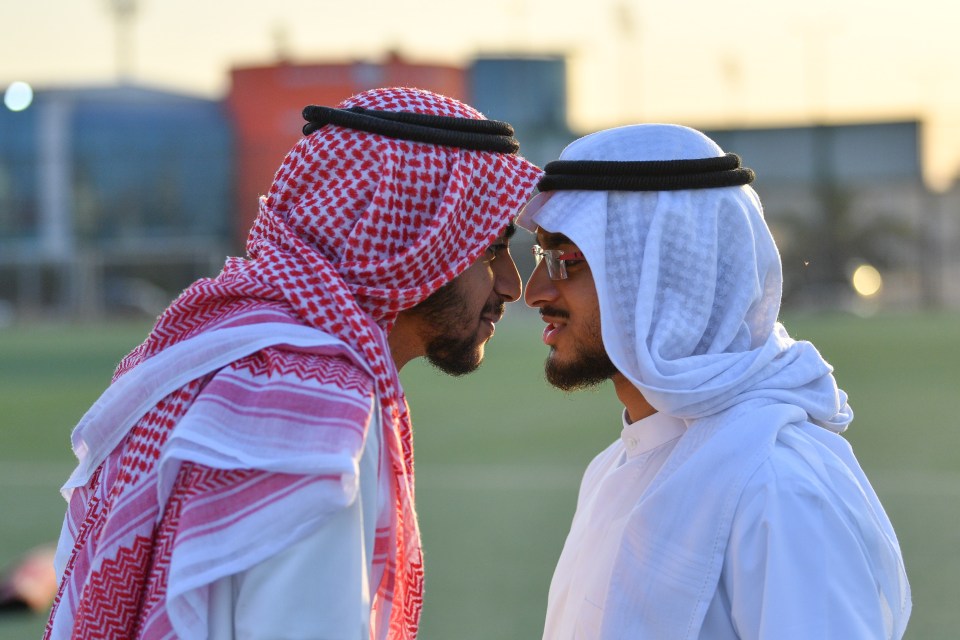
(124, 12)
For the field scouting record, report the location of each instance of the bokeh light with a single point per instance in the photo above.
(18, 96)
(866, 281)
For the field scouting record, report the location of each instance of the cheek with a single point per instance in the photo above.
(477, 285)
(587, 318)
(472, 300)
(591, 303)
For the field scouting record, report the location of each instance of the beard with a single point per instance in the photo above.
(452, 348)
(590, 365)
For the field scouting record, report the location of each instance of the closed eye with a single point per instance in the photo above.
(494, 250)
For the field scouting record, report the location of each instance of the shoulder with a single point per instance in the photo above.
(783, 479)
(603, 462)
(330, 370)
(801, 486)
(807, 556)
(296, 386)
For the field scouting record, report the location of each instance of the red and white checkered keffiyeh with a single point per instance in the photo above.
(356, 227)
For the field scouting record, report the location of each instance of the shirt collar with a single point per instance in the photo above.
(651, 432)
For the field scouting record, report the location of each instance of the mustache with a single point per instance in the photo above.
(493, 308)
(554, 312)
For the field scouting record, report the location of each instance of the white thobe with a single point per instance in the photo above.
(792, 568)
(320, 587)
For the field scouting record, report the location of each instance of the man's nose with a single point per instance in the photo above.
(507, 283)
(540, 289)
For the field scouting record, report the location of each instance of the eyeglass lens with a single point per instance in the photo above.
(556, 269)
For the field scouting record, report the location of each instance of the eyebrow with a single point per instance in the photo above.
(549, 240)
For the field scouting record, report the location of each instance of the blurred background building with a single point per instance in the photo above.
(114, 198)
(266, 102)
(111, 198)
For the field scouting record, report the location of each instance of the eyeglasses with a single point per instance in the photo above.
(556, 260)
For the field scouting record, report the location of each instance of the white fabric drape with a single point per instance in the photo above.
(279, 523)
(689, 284)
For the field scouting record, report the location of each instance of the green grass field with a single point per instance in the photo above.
(499, 458)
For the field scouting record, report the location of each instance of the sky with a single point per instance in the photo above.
(702, 63)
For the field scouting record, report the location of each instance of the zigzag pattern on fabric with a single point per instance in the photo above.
(85, 516)
(141, 613)
(92, 514)
(202, 312)
(192, 481)
(119, 588)
(321, 369)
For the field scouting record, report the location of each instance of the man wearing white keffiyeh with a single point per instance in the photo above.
(730, 507)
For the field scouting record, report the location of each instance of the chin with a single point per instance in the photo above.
(456, 359)
(554, 359)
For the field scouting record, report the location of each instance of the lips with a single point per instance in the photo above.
(493, 311)
(490, 316)
(556, 321)
(489, 324)
(550, 334)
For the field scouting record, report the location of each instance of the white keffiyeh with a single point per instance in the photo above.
(689, 285)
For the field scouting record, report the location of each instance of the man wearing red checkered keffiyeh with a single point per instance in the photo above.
(249, 472)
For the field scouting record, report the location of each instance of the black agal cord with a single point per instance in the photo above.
(465, 133)
(645, 175)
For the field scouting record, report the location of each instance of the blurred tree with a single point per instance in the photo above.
(820, 251)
